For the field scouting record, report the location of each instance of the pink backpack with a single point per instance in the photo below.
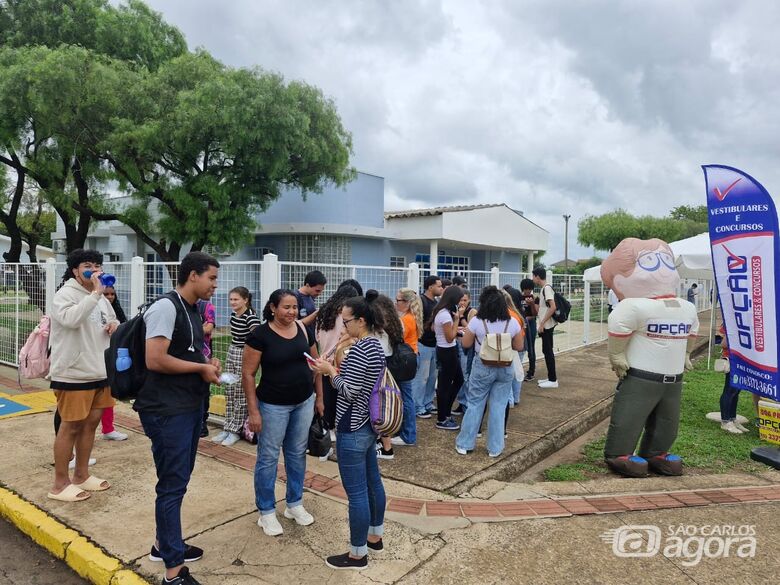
(34, 358)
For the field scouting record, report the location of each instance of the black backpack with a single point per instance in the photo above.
(131, 334)
(403, 363)
(562, 308)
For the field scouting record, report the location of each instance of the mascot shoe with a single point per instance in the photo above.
(628, 465)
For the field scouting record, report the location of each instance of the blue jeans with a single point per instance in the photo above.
(728, 401)
(425, 380)
(285, 427)
(174, 446)
(360, 477)
(492, 386)
(408, 430)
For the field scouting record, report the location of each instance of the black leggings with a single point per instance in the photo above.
(549, 356)
(450, 380)
(329, 394)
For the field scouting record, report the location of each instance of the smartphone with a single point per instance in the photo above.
(309, 359)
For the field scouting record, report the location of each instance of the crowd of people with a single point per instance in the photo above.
(313, 361)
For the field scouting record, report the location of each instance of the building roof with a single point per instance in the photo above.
(440, 210)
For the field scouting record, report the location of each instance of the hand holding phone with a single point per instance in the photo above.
(309, 359)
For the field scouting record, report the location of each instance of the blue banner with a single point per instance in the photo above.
(745, 249)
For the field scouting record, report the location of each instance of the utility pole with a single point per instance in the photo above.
(566, 241)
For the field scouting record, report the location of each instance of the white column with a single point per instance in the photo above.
(137, 284)
(530, 266)
(270, 277)
(413, 276)
(51, 282)
(494, 276)
(586, 314)
(434, 256)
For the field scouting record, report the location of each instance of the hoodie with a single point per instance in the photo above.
(78, 338)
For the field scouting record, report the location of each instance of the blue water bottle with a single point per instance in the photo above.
(105, 279)
(123, 359)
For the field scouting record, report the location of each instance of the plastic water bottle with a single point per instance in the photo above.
(228, 378)
(123, 359)
(105, 279)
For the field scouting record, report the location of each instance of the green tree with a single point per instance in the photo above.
(606, 231)
(202, 148)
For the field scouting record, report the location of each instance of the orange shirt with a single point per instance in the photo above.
(520, 320)
(410, 330)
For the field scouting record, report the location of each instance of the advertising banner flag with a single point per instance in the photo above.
(745, 250)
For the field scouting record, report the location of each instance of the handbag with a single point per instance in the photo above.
(319, 438)
(722, 365)
(496, 350)
(385, 405)
(403, 363)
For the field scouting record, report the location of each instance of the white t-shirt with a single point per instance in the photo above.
(659, 330)
(477, 327)
(547, 294)
(443, 317)
(612, 299)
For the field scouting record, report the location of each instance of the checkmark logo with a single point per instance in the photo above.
(722, 196)
(734, 262)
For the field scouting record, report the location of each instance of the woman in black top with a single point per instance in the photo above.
(356, 444)
(282, 405)
(110, 293)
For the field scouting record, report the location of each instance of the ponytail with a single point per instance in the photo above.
(365, 308)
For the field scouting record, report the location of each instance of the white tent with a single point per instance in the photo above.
(692, 257)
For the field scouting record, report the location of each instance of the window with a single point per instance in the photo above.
(260, 252)
(448, 264)
(397, 261)
(320, 249)
(112, 257)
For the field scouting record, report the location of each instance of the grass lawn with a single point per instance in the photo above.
(701, 443)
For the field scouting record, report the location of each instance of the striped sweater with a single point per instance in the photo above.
(359, 372)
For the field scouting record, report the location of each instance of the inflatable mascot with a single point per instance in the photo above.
(651, 334)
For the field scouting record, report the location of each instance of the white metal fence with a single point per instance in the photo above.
(26, 290)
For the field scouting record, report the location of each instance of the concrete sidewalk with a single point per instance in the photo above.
(450, 518)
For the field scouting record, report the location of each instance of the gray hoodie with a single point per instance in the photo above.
(78, 337)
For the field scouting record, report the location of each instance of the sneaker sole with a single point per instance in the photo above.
(346, 568)
(448, 428)
(291, 517)
(386, 457)
(155, 559)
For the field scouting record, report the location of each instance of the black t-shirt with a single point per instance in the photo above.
(286, 378)
(428, 338)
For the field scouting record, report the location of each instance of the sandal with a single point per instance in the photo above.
(71, 493)
(93, 484)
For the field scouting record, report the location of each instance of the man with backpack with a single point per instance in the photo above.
(82, 321)
(170, 403)
(546, 325)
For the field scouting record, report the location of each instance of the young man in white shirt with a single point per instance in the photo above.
(546, 325)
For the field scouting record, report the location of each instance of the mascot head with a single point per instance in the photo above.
(641, 268)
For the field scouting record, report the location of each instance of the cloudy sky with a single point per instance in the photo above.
(550, 106)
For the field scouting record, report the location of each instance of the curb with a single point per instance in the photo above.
(540, 449)
(66, 544)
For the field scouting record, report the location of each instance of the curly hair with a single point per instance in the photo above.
(330, 311)
(492, 305)
(392, 327)
(415, 307)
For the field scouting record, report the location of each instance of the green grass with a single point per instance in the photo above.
(701, 443)
(11, 307)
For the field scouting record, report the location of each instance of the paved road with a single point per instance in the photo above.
(23, 562)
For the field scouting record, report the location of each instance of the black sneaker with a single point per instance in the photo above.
(204, 431)
(529, 377)
(191, 554)
(376, 546)
(346, 562)
(382, 454)
(425, 414)
(460, 411)
(183, 578)
(433, 410)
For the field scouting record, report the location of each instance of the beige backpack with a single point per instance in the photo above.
(496, 348)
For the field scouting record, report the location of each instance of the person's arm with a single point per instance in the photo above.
(451, 329)
(208, 328)
(467, 341)
(319, 401)
(518, 339)
(70, 314)
(250, 363)
(549, 308)
(159, 360)
(309, 319)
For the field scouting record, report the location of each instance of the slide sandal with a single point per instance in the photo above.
(93, 484)
(71, 493)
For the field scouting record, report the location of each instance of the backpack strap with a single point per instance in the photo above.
(302, 327)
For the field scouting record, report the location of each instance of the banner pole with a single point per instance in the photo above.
(712, 322)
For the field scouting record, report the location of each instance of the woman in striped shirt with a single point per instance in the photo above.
(242, 321)
(356, 444)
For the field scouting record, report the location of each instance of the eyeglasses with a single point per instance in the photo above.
(347, 321)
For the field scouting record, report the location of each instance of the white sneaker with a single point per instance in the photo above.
(460, 451)
(540, 382)
(230, 440)
(730, 427)
(299, 514)
(270, 524)
(494, 455)
(740, 427)
(220, 437)
(548, 384)
(90, 463)
(400, 442)
(114, 436)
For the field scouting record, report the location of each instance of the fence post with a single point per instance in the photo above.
(413, 277)
(586, 314)
(51, 282)
(270, 277)
(137, 284)
(495, 276)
